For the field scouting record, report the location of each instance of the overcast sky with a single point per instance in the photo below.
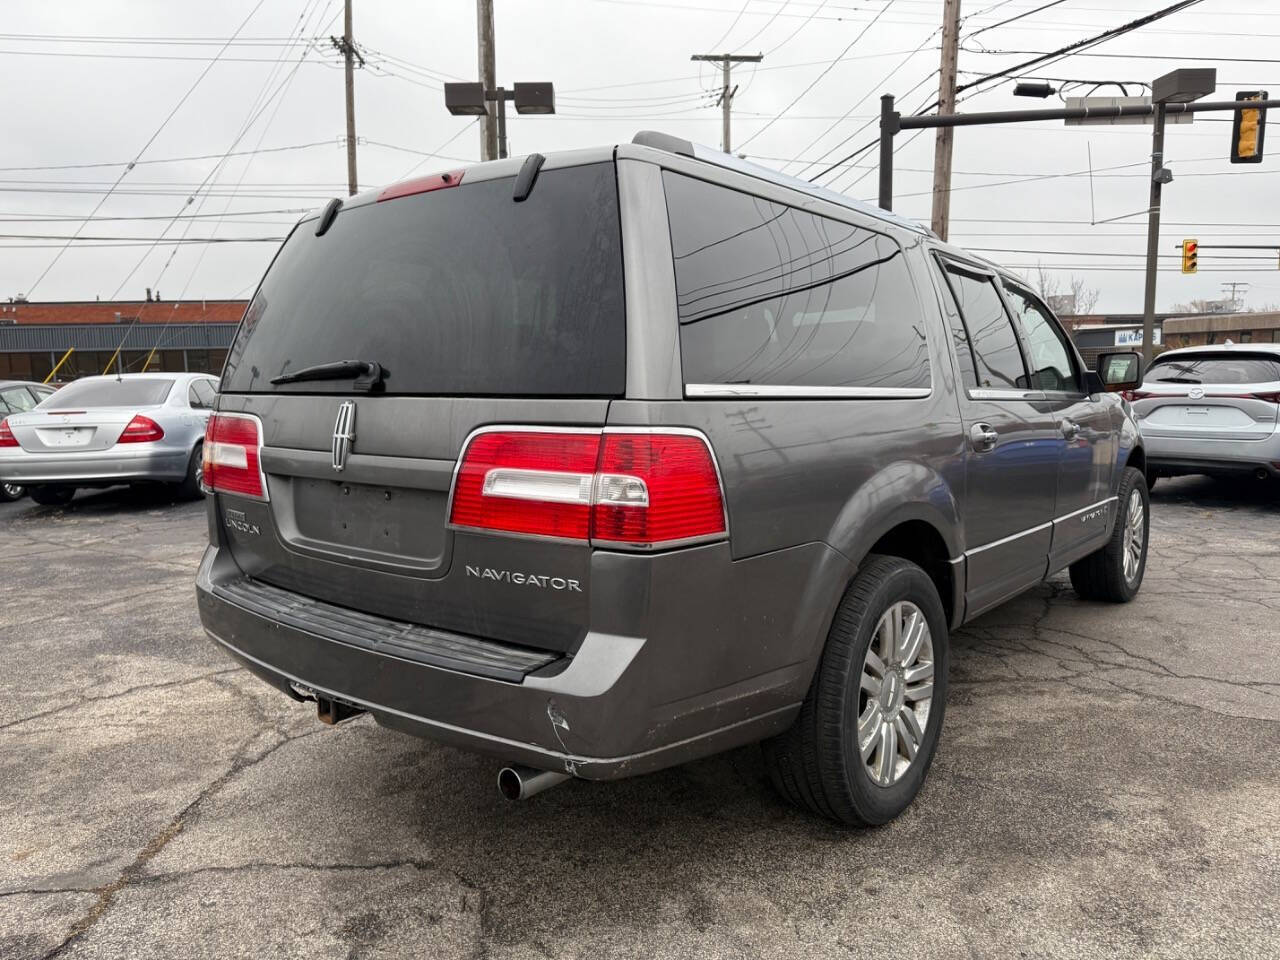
(89, 83)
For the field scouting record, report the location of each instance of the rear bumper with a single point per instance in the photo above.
(120, 464)
(1194, 455)
(620, 705)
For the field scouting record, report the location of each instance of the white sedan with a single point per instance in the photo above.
(103, 431)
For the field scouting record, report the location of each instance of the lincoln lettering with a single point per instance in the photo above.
(524, 579)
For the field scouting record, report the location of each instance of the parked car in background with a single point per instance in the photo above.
(19, 396)
(1212, 410)
(103, 431)
(609, 460)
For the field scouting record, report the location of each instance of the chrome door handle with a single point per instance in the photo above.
(1069, 429)
(982, 438)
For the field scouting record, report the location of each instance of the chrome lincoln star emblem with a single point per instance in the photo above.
(1195, 393)
(344, 434)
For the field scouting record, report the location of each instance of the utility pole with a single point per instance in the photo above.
(1233, 284)
(349, 54)
(726, 61)
(488, 76)
(1159, 176)
(946, 107)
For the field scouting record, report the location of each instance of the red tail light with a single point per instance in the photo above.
(233, 455)
(656, 488)
(1132, 395)
(7, 439)
(622, 488)
(1269, 397)
(141, 430)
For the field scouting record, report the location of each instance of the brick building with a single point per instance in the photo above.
(155, 334)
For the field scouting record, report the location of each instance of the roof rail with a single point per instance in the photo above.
(687, 148)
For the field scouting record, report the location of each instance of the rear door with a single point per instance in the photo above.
(482, 311)
(1013, 443)
(1232, 395)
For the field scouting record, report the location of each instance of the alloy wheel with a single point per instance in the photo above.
(896, 693)
(1135, 536)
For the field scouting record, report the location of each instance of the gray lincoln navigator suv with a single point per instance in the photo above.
(606, 460)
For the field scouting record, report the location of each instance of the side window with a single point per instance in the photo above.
(208, 392)
(200, 395)
(769, 294)
(959, 338)
(1051, 366)
(995, 345)
(40, 393)
(17, 399)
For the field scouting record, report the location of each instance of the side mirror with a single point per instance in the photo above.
(1120, 371)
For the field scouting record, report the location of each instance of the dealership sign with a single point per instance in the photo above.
(1133, 337)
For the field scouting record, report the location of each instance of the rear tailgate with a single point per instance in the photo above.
(1230, 396)
(83, 431)
(483, 311)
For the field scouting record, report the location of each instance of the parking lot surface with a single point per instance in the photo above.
(1108, 784)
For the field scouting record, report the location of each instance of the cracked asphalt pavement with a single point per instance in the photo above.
(1108, 784)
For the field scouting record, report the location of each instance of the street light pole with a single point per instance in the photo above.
(1158, 177)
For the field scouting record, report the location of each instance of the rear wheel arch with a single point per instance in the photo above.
(907, 510)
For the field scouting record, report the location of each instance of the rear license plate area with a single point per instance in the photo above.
(65, 436)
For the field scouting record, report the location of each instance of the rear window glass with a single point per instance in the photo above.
(457, 291)
(768, 294)
(110, 392)
(1214, 369)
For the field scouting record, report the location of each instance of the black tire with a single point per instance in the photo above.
(51, 495)
(189, 488)
(10, 492)
(1101, 575)
(816, 764)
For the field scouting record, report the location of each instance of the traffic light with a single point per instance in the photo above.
(1190, 255)
(1247, 129)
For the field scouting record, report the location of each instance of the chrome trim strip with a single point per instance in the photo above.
(993, 393)
(1092, 506)
(788, 390)
(1039, 527)
(1010, 538)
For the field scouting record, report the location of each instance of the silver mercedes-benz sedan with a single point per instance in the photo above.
(1212, 410)
(102, 431)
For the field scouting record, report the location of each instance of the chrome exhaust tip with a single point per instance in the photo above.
(521, 783)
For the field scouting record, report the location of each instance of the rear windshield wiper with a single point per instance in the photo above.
(368, 374)
(1177, 380)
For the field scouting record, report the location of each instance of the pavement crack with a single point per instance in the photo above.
(133, 872)
(82, 700)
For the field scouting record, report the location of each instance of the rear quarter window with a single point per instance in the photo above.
(769, 294)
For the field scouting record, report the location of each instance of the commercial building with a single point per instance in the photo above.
(88, 337)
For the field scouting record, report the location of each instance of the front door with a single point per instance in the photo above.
(1083, 505)
(1013, 443)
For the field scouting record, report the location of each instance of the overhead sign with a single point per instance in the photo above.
(1077, 103)
(1133, 337)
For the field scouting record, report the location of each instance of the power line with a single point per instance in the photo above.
(165, 122)
(830, 67)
